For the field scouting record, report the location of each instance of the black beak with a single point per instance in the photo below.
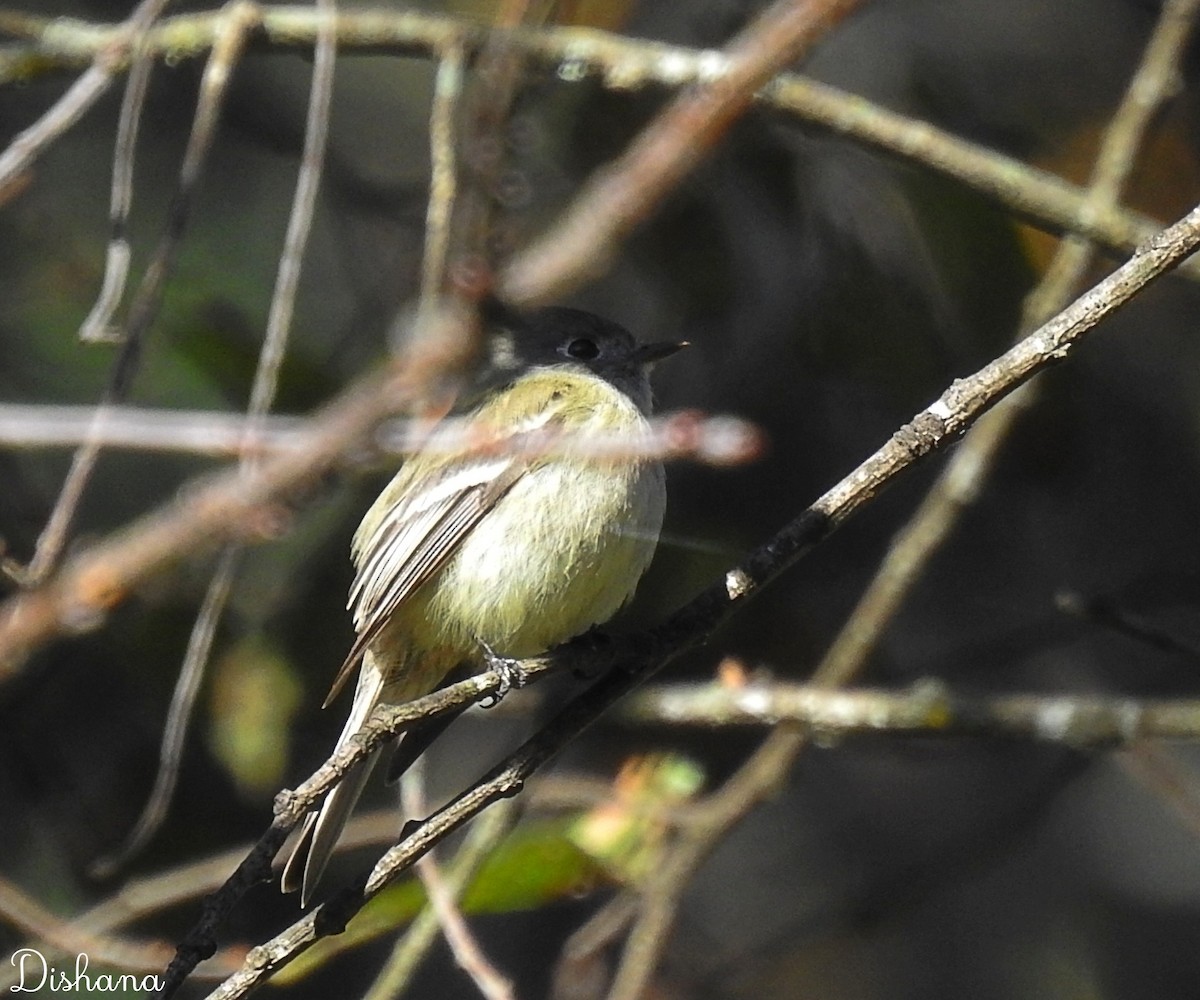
(648, 354)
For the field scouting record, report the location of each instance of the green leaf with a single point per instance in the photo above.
(536, 865)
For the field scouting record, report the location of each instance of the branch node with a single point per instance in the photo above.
(922, 434)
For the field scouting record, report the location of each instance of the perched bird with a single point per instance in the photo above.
(467, 553)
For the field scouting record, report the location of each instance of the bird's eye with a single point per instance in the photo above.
(583, 349)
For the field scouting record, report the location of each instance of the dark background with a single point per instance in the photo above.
(829, 294)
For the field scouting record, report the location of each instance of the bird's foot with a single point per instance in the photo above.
(512, 674)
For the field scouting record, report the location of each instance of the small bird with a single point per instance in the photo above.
(468, 556)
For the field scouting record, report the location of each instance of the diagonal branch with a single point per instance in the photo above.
(107, 59)
(582, 242)
(230, 506)
(641, 656)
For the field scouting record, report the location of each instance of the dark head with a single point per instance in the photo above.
(557, 335)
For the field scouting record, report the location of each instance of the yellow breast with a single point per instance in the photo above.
(562, 550)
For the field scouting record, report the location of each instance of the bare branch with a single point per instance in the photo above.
(1121, 620)
(96, 326)
(44, 928)
(583, 240)
(1077, 720)
(262, 396)
(583, 951)
(183, 700)
(237, 20)
(107, 59)
(627, 64)
(930, 430)
(961, 481)
(441, 912)
(686, 434)
(1157, 768)
(447, 91)
(230, 506)
(151, 895)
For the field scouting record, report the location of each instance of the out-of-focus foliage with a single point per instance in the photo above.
(255, 698)
(544, 861)
(536, 866)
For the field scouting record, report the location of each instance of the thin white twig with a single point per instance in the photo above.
(443, 900)
(442, 912)
(447, 90)
(80, 96)
(96, 328)
(316, 133)
(713, 439)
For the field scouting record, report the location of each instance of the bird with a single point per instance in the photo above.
(470, 558)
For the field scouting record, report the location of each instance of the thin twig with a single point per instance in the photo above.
(208, 433)
(304, 202)
(483, 838)
(179, 715)
(238, 18)
(581, 957)
(1172, 781)
(1122, 621)
(441, 912)
(583, 240)
(45, 929)
(151, 895)
(229, 506)
(687, 434)
(498, 74)
(96, 327)
(625, 64)
(106, 60)
(262, 396)
(963, 477)
(967, 469)
(1041, 198)
(444, 892)
(1076, 720)
(447, 91)
(758, 777)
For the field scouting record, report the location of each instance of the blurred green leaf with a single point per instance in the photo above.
(544, 861)
(255, 695)
(536, 865)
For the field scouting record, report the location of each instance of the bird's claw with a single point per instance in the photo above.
(512, 674)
